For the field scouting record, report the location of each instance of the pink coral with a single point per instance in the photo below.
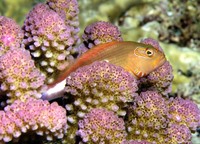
(10, 34)
(98, 33)
(152, 42)
(35, 115)
(101, 126)
(19, 76)
(49, 40)
(184, 111)
(101, 84)
(161, 78)
(148, 117)
(101, 32)
(98, 85)
(179, 134)
(67, 10)
(136, 142)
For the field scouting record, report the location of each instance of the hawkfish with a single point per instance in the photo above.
(137, 58)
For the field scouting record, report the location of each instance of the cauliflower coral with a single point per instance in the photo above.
(19, 77)
(45, 119)
(11, 34)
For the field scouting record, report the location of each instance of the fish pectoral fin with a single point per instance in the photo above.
(106, 60)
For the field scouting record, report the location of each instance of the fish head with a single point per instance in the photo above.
(145, 59)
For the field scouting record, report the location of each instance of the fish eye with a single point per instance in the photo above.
(149, 52)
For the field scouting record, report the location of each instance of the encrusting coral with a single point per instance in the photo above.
(45, 119)
(11, 34)
(19, 77)
(101, 126)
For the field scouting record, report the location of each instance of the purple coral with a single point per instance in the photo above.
(36, 115)
(101, 84)
(98, 33)
(147, 117)
(184, 111)
(136, 142)
(152, 42)
(101, 126)
(98, 85)
(49, 40)
(19, 77)
(67, 10)
(161, 78)
(179, 134)
(10, 34)
(101, 32)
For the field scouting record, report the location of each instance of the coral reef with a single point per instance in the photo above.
(135, 142)
(148, 118)
(103, 102)
(45, 119)
(184, 112)
(160, 120)
(11, 34)
(101, 126)
(98, 33)
(99, 85)
(179, 22)
(161, 78)
(49, 40)
(19, 77)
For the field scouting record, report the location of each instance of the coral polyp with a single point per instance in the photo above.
(49, 40)
(19, 77)
(56, 87)
(101, 126)
(11, 34)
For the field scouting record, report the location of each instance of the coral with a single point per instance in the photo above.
(161, 78)
(152, 42)
(33, 115)
(10, 34)
(98, 33)
(160, 120)
(99, 85)
(101, 126)
(101, 32)
(135, 142)
(49, 40)
(179, 134)
(19, 77)
(68, 11)
(148, 117)
(184, 111)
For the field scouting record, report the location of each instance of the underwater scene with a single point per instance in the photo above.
(99, 72)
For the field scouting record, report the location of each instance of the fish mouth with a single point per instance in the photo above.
(162, 60)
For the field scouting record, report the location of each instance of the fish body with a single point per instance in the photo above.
(137, 58)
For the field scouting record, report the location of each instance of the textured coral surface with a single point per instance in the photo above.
(99, 102)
